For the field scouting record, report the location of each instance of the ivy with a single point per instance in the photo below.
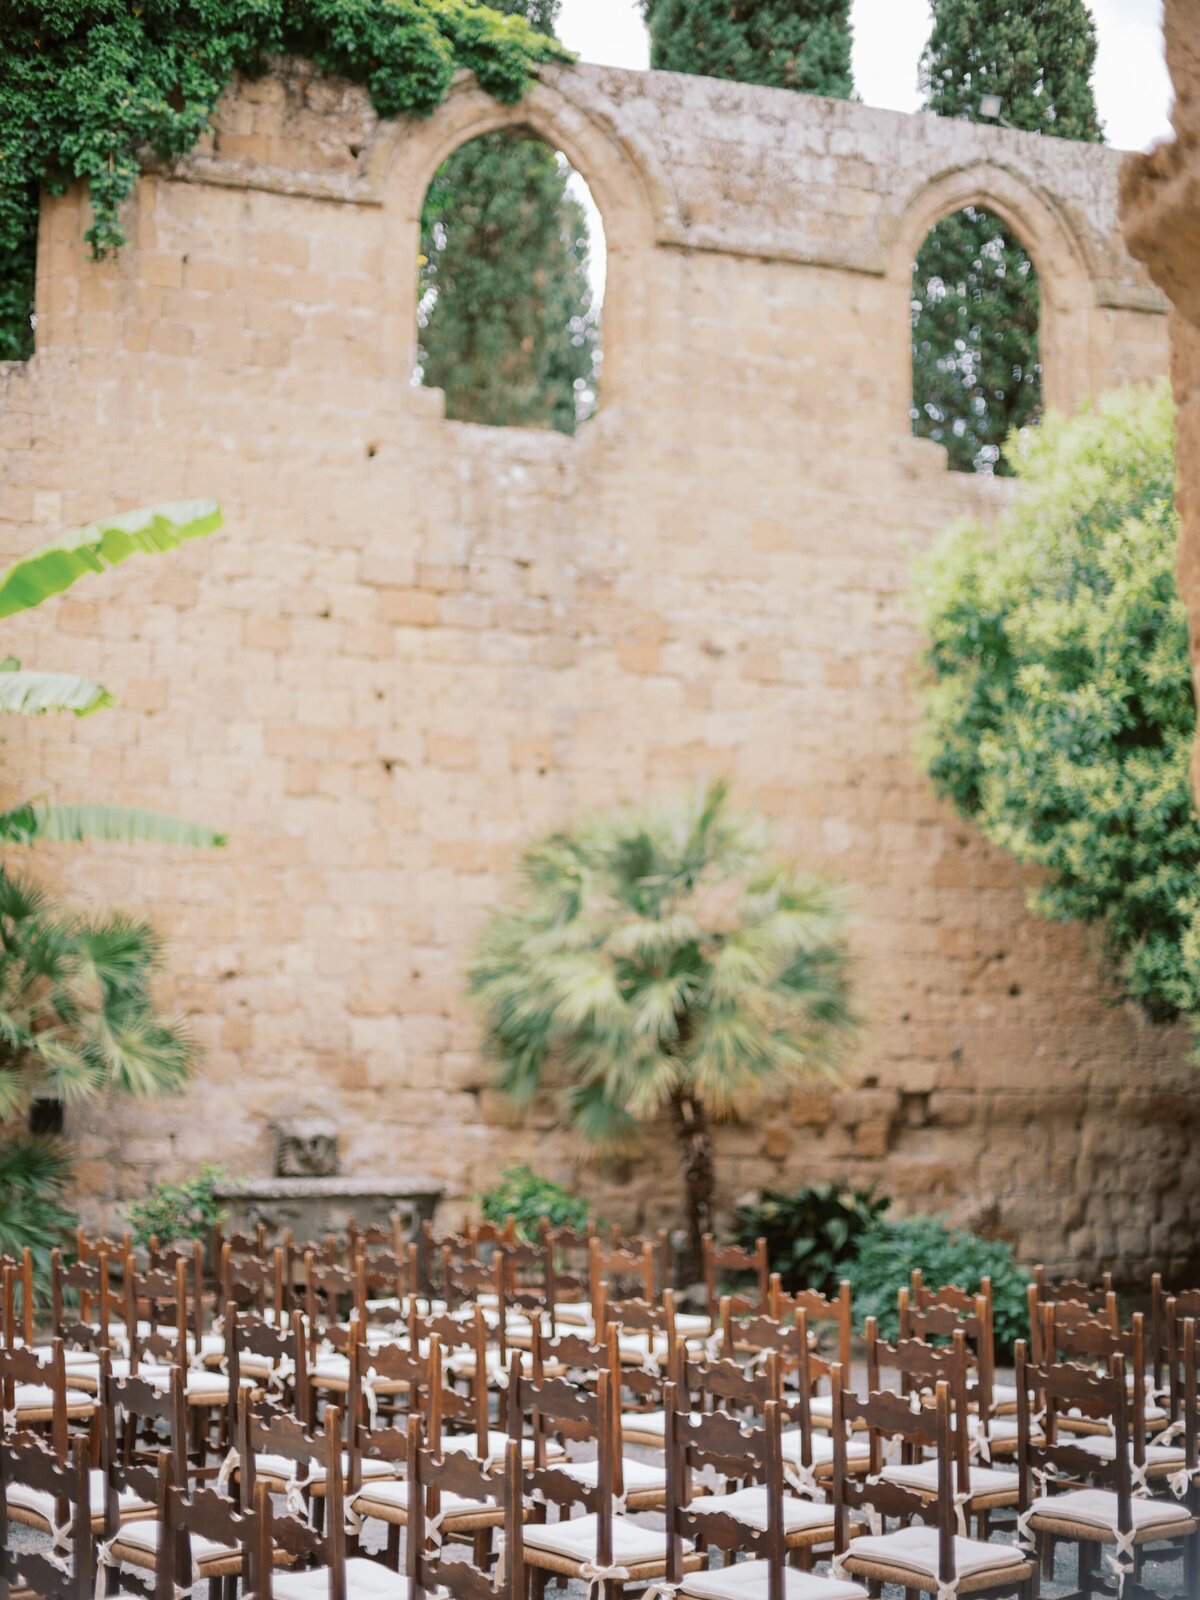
(90, 86)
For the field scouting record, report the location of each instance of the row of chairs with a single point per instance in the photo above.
(631, 1373)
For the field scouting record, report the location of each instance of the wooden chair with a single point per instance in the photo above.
(278, 1454)
(299, 1559)
(35, 1392)
(721, 1260)
(270, 1355)
(625, 1274)
(129, 1407)
(918, 1368)
(64, 1488)
(456, 1481)
(1105, 1515)
(925, 1553)
(568, 1288)
(599, 1547)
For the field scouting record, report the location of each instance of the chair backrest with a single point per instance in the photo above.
(430, 1474)
(76, 1291)
(622, 1271)
(253, 1282)
(925, 1427)
(283, 1342)
(830, 1317)
(292, 1539)
(25, 1460)
(1093, 1295)
(157, 1324)
(126, 1405)
(721, 1261)
(950, 1311)
(205, 1513)
(1167, 1313)
(329, 1291)
(21, 1364)
(918, 1368)
(719, 1383)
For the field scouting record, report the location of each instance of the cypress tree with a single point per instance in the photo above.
(508, 329)
(976, 367)
(785, 44)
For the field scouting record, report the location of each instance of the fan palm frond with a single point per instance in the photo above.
(30, 694)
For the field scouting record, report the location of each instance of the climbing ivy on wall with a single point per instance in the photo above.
(88, 86)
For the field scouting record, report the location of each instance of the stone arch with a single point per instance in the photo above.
(1066, 281)
(407, 159)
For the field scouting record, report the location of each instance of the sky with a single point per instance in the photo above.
(1133, 91)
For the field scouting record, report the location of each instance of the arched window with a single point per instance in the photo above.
(510, 285)
(976, 367)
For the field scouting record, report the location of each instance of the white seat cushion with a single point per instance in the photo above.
(40, 1397)
(497, 1442)
(285, 1469)
(331, 1369)
(393, 1496)
(39, 1501)
(822, 1449)
(639, 1476)
(575, 1540)
(747, 1580)
(688, 1323)
(144, 1535)
(365, 1580)
(916, 1550)
(576, 1312)
(1104, 1447)
(1097, 1508)
(923, 1476)
(750, 1506)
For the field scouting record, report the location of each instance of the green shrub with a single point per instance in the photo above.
(34, 1174)
(945, 1255)
(519, 1192)
(1060, 715)
(813, 1234)
(173, 1211)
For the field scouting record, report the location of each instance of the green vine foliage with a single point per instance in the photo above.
(89, 86)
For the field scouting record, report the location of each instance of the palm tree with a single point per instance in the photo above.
(661, 963)
(46, 572)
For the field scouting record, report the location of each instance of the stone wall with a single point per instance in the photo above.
(417, 642)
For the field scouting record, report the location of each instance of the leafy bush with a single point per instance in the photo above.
(945, 1255)
(34, 1174)
(813, 1234)
(173, 1211)
(519, 1192)
(1061, 715)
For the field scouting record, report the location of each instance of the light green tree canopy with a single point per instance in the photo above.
(1059, 713)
